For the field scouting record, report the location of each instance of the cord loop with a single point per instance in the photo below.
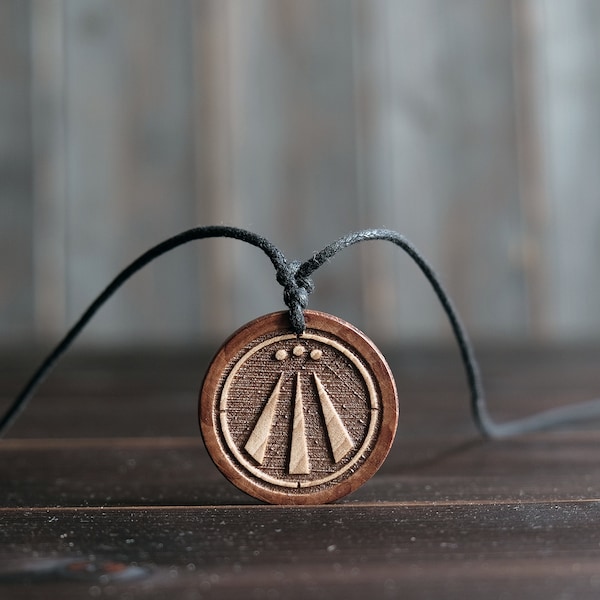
(296, 289)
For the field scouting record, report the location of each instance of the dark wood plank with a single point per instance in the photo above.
(178, 471)
(112, 507)
(517, 550)
(153, 392)
(148, 471)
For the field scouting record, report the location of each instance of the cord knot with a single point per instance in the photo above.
(296, 289)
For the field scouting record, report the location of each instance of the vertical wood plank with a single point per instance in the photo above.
(129, 174)
(470, 126)
(213, 118)
(49, 108)
(527, 32)
(294, 143)
(16, 289)
(570, 89)
(483, 230)
(438, 146)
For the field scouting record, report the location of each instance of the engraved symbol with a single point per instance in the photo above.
(299, 451)
(298, 413)
(339, 439)
(256, 445)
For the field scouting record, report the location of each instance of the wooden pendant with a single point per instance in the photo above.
(298, 419)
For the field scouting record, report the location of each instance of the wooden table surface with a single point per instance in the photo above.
(106, 490)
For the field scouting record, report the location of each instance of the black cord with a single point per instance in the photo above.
(487, 426)
(197, 233)
(295, 279)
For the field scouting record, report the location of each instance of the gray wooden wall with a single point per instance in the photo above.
(471, 126)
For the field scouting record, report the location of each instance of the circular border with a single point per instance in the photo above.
(301, 484)
(219, 371)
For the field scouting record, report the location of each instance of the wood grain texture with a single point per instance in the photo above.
(16, 213)
(437, 144)
(448, 514)
(49, 166)
(341, 552)
(567, 53)
(469, 126)
(130, 173)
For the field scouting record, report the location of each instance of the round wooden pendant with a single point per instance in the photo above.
(298, 419)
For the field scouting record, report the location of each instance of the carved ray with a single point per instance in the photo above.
(298, 452)
(339, 438)
(256, 445)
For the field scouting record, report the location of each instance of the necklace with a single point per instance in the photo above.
(300, 407)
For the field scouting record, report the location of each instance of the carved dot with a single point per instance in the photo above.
(316, 354)
(298, 350)
(281, 354)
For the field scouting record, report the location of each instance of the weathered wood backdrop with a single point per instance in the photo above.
(472, 126)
